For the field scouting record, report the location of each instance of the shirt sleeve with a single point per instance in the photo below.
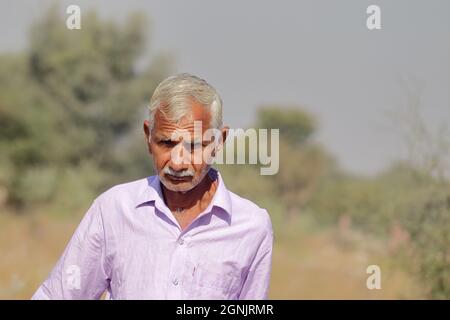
(256, 284)
(80, 271)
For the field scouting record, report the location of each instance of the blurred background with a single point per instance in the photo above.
(363, 115)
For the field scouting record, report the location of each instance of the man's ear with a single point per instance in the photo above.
(225, 130)
(148, 134)
(223, 138)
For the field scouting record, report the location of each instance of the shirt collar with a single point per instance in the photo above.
(152, 192)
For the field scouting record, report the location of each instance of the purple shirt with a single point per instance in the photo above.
(130, 244)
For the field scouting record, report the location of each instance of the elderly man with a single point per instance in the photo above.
(180, 234)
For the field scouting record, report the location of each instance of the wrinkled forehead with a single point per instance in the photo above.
(197, 115)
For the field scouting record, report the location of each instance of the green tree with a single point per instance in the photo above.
(71, 106)
(303, 162)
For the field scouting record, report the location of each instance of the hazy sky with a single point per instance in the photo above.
(318, 55)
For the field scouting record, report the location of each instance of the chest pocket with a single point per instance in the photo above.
(210, 281)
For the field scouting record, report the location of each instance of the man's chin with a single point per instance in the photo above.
(178, 186)
(182, 185)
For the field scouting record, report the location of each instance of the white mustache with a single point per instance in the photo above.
(179, 174)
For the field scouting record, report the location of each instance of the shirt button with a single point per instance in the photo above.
(175, 281)
(180, 241)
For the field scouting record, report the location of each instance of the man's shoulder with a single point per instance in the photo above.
(125, 191)
(257, 220)
(247, 210)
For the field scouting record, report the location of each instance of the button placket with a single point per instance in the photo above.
(179, 255)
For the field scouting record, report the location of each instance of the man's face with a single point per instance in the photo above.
(175, 148)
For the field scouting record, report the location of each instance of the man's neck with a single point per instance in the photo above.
(198, 197)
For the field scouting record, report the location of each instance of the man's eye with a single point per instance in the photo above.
(195, 145)
(167, 143)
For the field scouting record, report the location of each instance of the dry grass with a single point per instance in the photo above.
(329, 264)
(306, 266)
(29, 248)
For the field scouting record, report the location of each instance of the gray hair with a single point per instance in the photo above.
(172, 94)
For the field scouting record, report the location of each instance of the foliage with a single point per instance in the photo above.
(73, 103)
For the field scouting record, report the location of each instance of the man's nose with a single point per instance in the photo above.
(180, 157)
